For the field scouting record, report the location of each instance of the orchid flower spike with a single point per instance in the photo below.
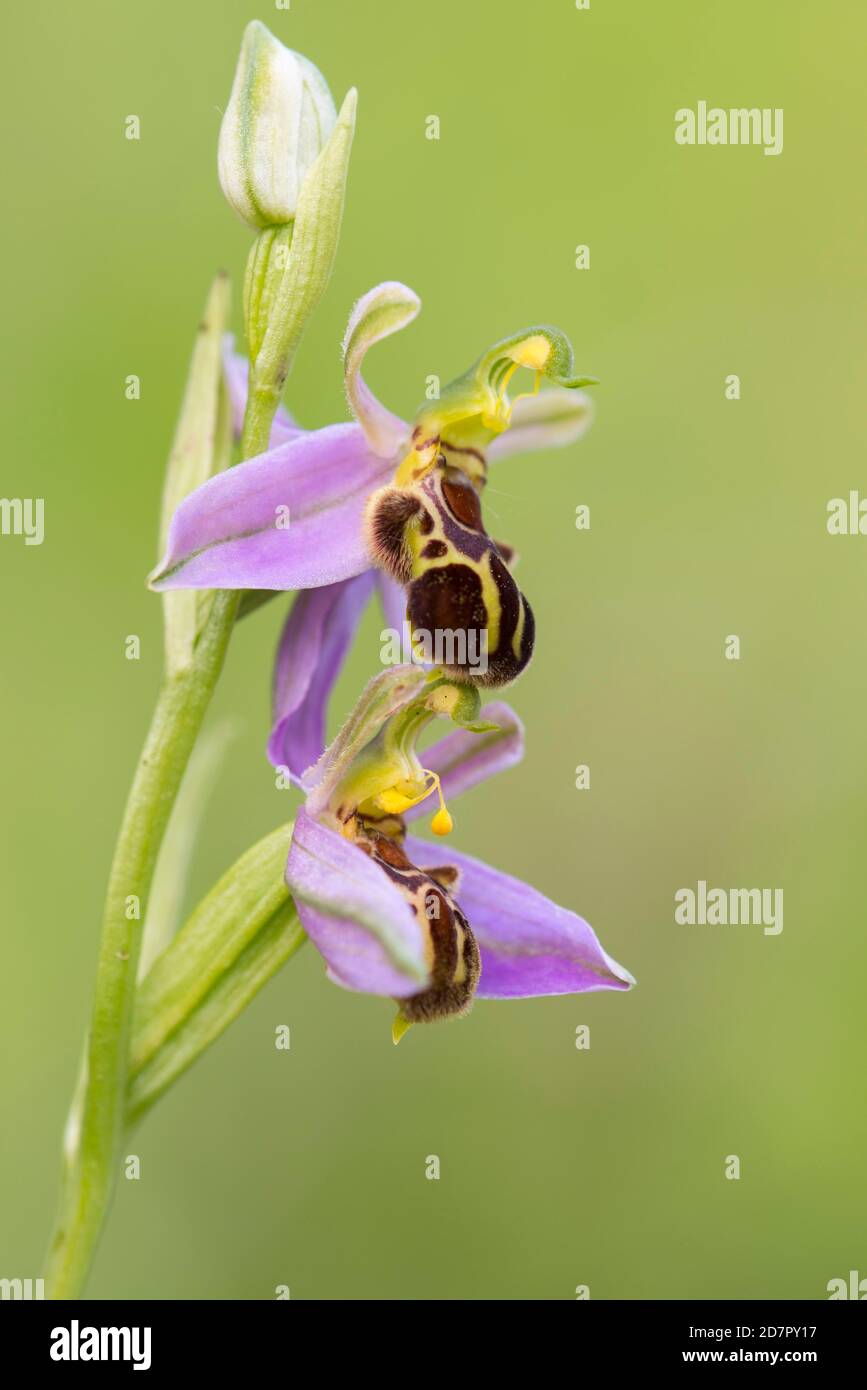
(398, 916)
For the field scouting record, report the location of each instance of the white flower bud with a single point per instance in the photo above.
(279, 117)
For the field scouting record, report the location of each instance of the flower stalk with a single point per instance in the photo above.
(197, 633)
(278, 96)
(96, 1124)
(94, 1134)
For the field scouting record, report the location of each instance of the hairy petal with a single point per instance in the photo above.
(379, 313)
(312, 649)
(357, 919)
(529, 945)
(232, 532)
(463, 759)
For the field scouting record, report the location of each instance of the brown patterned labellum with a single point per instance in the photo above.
(464, 608)
(451, 949)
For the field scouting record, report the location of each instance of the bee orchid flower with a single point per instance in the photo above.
(321, 509)
(395, 915)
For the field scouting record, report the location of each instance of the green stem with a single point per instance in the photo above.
(262, 404)
(96, 1126)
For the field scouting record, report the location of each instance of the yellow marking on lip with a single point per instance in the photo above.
(490, 599)
(417, 540)
(418, 462)
(519, 631)
(461, 968)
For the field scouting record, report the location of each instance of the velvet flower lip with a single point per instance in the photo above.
(403, 917)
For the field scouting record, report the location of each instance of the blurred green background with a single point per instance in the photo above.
(559, 1167)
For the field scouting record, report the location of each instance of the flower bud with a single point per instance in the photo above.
(279, 117)
(289, 266)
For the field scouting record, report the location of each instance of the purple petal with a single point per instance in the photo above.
(354, 915)
(231, 533)
(463, 759)
(392, 596)
(529, 945)
(382, 311)
(313, 647)
(236, 370)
